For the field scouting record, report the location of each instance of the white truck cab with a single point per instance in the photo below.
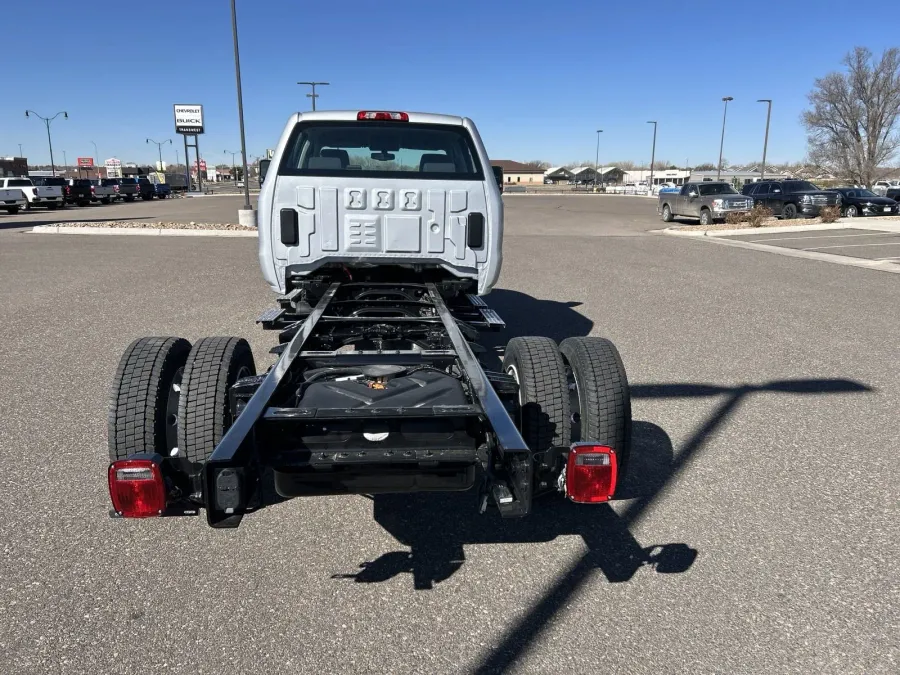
(374, 188)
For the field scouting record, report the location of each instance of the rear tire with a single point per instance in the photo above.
(143, 400)
(601, 398)
(12, 210)
(204, 412)
(544, 416)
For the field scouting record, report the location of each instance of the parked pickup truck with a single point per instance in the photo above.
(12, 200)
(146, 189)
(708, 202)
(50, 196)
(78, 191)
(128, 189)
(102, 193)
(50, 181)
(163, 190)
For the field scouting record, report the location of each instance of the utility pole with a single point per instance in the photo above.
(314, 95)
(65, 162)
(597, 158)
(652, 157)
(159, 145)
(47, 121)
(762, 171)
(722, 142)
(240, 99)
(20, 150)
(233, 170)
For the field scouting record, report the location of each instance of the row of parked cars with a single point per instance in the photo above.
(711, 201)
(55, 192)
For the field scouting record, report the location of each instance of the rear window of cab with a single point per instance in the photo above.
(368, 149)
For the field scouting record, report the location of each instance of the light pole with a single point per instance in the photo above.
(47, 121)
(652, 158)
(97, 153)
(240, 97)
(722, 142)
(762, 171)
(597, 158)
(159, 145)
(233, 170)
(20, 150)
(314, 95)
(65, 162)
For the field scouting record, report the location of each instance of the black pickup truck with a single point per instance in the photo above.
(146, 189)
(128, 189)
(78, 191)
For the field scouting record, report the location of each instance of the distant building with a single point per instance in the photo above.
(558, 174)
(660, 176)
(737, 178)
(13, 166)
(516, 172)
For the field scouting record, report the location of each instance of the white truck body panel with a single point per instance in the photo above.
(40, 195)
(373, 220)
(12, 198)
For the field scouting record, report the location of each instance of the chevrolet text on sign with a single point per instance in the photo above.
(188, 119)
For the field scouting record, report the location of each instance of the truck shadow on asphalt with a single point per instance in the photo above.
(436, 535)
(437, 526)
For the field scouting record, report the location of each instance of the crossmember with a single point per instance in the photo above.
(424, 328)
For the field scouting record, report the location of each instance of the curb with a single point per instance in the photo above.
(843, 224)
(140, 231)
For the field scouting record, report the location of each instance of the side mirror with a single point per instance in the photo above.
(263, 169)
(498, 176)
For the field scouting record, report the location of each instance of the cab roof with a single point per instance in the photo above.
(351, 116)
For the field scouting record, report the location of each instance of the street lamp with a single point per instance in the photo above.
(597, 158)
(722, 142)
(20, 150)
(47, 121)
(762, 171)
(314, 95)
(65, 162)
(652, 157)
(97, 154)
(159, 145)
(246, 220)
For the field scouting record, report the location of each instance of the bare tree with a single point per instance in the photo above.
(852, 126)
(625, 165)
(706, 166)
(538, 164)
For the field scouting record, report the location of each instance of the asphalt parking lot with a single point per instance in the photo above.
(763, 532)
(871, 244)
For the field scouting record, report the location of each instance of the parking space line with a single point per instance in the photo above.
(874, 233)
(822, 248)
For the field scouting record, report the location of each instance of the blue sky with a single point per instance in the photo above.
(538, 77)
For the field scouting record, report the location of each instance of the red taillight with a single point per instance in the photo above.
(591, 472)
(92, 189)
(136, 488)
(68, 190)
(383, 116)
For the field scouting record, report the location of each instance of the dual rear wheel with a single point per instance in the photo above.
(171, 398)
(571, 393)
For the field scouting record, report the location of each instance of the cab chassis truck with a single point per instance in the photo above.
(381, 231)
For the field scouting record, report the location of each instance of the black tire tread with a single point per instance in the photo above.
(603, 387)
(137, 401)
(203, 410)
(542, 377)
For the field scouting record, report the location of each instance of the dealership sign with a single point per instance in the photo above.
(113, 168)
(188, 119)
(86, 162)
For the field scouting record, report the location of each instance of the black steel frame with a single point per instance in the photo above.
(231, 481)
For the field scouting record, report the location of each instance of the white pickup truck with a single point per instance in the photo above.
(50, 196)
(11, 200)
